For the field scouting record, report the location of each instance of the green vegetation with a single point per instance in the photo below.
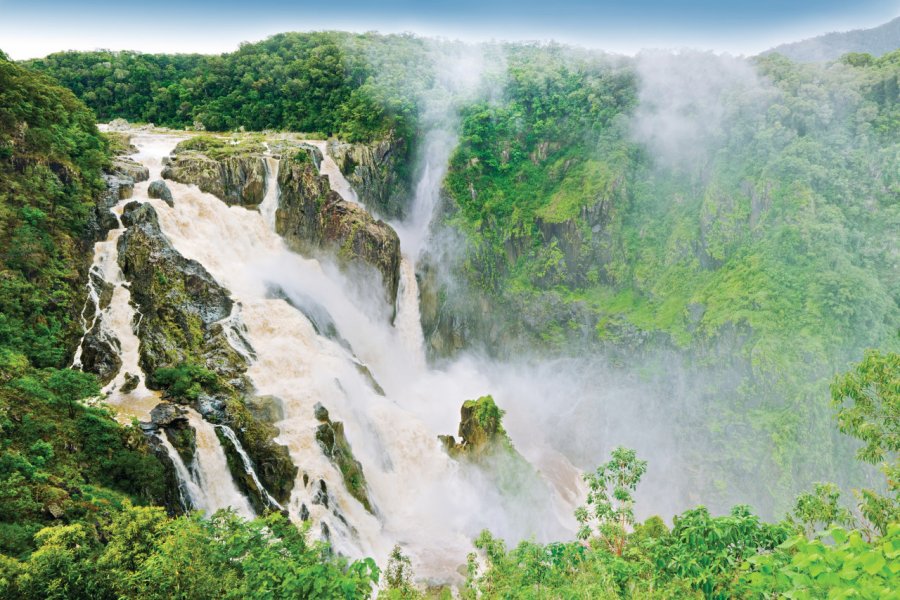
(325, 82)
(139, 553)
(765, 262)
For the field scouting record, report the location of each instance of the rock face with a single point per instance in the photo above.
(180, 303)
(331, 438)
(159, 189)
(236, 176)
(376, 173)
(311, 217)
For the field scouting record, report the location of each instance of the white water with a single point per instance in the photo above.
(424, 500)
(336, 179)
(210, 471)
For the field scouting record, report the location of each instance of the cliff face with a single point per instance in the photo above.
(376, 172)
(312, 217)
(237, 177)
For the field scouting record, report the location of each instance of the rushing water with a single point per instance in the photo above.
(424, 500)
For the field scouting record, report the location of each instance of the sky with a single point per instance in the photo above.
(34, 28)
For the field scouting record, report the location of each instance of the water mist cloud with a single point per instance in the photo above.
(686, 100)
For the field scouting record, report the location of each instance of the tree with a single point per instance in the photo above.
(868, 402)
(610, 505)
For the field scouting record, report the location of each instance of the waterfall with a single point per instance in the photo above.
(336, 179)
(269, 206)
(191, 494)
(423, 499)
(210, 472)
(248, 465)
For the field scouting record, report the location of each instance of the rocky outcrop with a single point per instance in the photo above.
(180, 303)
(331, 438)
(236, 175)
(480, 430)
(311, 218)
(158, 189)
(376, 172)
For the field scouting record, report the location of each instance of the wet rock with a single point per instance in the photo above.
(165, 414)
(311, 217)
(172, 421)
(158, 189)
(234, 174)
(268, 409)
(374, 170)
(304, 513)
(271, 461)
(131, 382)
(480, 429)
(128, 167)
(320, 497)
(100, 353)
(333, 441)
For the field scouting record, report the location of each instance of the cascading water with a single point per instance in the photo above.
(228, 432)
(421, 498)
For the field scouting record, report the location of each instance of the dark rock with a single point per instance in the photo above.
(131, 382)
(166, 414)
(159, 189)
(100, 352)
(304, 513)
(321, 495)
(311, 217)
(333, 441)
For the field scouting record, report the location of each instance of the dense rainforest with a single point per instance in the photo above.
(575, 216)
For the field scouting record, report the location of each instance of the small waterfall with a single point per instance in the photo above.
(269, 206)
(248, 465)
(192, 496)
(336, 179)
(93, 300)
(210, 471)
(408, 321)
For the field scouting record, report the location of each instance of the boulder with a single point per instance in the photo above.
(158, 189)
(100, 353)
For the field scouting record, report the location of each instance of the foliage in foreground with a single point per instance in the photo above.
(810, 554)
(139, 553)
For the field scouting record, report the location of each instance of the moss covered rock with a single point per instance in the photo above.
(181, 305)
(333, 441)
